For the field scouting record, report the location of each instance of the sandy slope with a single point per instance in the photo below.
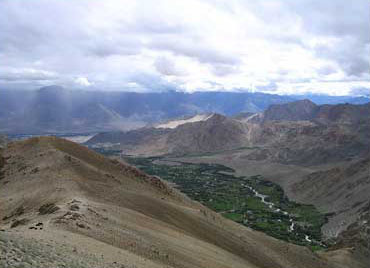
(116, 215)
(178, 122)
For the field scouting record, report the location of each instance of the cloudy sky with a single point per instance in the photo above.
(277, 46)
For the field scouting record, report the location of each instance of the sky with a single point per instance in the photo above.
(272, 46)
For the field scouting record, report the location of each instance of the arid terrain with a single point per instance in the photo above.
(184, 134)
(79, 209)
(318, 154)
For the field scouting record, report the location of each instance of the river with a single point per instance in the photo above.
(272, 205)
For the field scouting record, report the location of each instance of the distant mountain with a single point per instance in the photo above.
(304, 133)
(343, 113)
(292, 111)
(307, 110)
(325, 99)
(299, 132)
(215, 133)
(54, 109)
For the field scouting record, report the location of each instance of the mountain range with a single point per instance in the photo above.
(297, 132)
(54, 109)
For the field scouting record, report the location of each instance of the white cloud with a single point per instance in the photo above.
(82, 81)
(296, 46)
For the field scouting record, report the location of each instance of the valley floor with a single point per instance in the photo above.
(251, 201)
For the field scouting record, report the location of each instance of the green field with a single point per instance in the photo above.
(216, 187)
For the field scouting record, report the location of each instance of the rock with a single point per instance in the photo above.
(17, 212)
(35, 170)
(74, 207)
(19, 222)
(81, 225)
(48, 208)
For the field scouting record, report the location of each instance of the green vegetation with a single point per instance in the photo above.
(216, 187)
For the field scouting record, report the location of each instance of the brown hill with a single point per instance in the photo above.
(357, 236)
(341, 191)
(292, 111)
(71, 205)
(309, 143)
(343, 113)
(325, 114)
(214, 134)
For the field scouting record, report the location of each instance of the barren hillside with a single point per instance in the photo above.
(341, 191)
(75, 205)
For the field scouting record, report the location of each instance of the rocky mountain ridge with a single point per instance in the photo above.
(317, 134)
(54, 109)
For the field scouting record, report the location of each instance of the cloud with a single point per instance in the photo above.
(287, 46)
(327, 70)
(361, 91)
(349, 53)
(203, 54)
(26, 74)
(83, 81)
(145, 82)
(269, 87)
(167, 67)
(224, 69)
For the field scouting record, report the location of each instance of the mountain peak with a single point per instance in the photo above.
(292, 111)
